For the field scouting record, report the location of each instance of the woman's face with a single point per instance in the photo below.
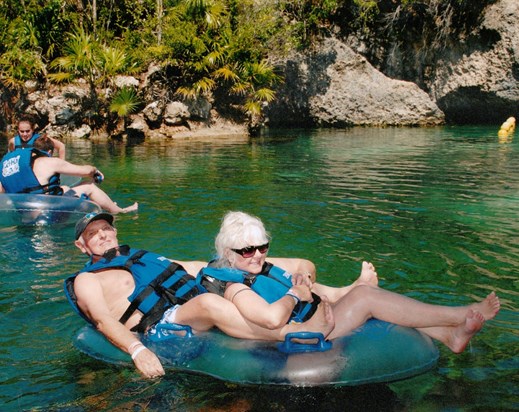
(250, 259)
(25, 131)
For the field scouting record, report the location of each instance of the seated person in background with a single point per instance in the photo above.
(121, 290)
(26, 137)
(265, 295)
(36, 171)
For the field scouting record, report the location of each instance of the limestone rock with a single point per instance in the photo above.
(336, 87)
(481, 84)
(176, 113)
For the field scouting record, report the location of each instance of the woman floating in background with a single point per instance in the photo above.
(26, 137)
(270, 296)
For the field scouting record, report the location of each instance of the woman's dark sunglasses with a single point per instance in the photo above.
(249, 251)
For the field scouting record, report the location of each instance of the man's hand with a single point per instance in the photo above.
(148, 364)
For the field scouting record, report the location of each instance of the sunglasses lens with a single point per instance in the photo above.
(248, 252)
(263, 248)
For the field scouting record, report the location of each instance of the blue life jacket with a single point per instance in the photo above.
(29, 144)
(159, 283)
(18, 177)
(272, 283)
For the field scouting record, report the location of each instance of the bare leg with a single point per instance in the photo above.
(322, 321)
(209, 310)
(368, 277)
(457, 337)
(365, 302)
(102, 199)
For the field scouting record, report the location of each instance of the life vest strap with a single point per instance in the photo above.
(166, 295)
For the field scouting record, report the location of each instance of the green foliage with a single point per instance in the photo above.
(85, 57)
(308, 17)
(125, 102)
(82, 58)
(18, 65)
(367, 11)
(204, 46)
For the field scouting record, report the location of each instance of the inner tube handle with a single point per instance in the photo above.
(175, 327)
(289, 346)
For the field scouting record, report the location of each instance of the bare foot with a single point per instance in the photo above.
(322, 321)
(368, 276)
(463, 333)
(131, 208)
(489, 307)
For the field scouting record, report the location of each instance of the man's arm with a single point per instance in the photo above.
(10, 145)
(62, 166)
(192, 267)
(91, 301)
(59, 146)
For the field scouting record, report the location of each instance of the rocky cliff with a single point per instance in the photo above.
(336, 87)
(478, 81)
(475, 79)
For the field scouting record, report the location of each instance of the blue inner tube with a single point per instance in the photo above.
(28, 209)
(377, 352)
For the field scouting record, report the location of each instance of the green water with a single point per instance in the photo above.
(434, 209)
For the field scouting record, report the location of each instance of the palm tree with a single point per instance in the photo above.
(98, 64)
(81, 60)
(125, 102)
(255, 82)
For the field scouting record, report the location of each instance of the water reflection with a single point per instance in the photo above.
(434, 209)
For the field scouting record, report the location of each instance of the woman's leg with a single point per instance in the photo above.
(209, 310)
(457, 337)
(366, 302)
(368, 276)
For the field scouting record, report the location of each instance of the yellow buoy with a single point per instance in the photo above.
(508, 126)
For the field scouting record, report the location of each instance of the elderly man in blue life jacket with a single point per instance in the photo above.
(122, 291)
(36, 171)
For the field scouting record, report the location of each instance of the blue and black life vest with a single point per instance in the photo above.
(18, 177)
(272, 283)
(29, 144)
(159, 283)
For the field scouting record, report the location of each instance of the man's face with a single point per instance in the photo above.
(98, 237)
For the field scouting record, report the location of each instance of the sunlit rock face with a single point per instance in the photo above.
(479, 82)
(336, 87)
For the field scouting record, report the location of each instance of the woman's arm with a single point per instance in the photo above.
(192, 267)
(257, 310)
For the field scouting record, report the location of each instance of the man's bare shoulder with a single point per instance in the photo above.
(85, 277)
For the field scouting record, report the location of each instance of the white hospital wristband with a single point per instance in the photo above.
(137, 351)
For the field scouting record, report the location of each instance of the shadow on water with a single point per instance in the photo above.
(189, 392)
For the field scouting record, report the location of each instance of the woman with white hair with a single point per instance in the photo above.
(270, 296)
